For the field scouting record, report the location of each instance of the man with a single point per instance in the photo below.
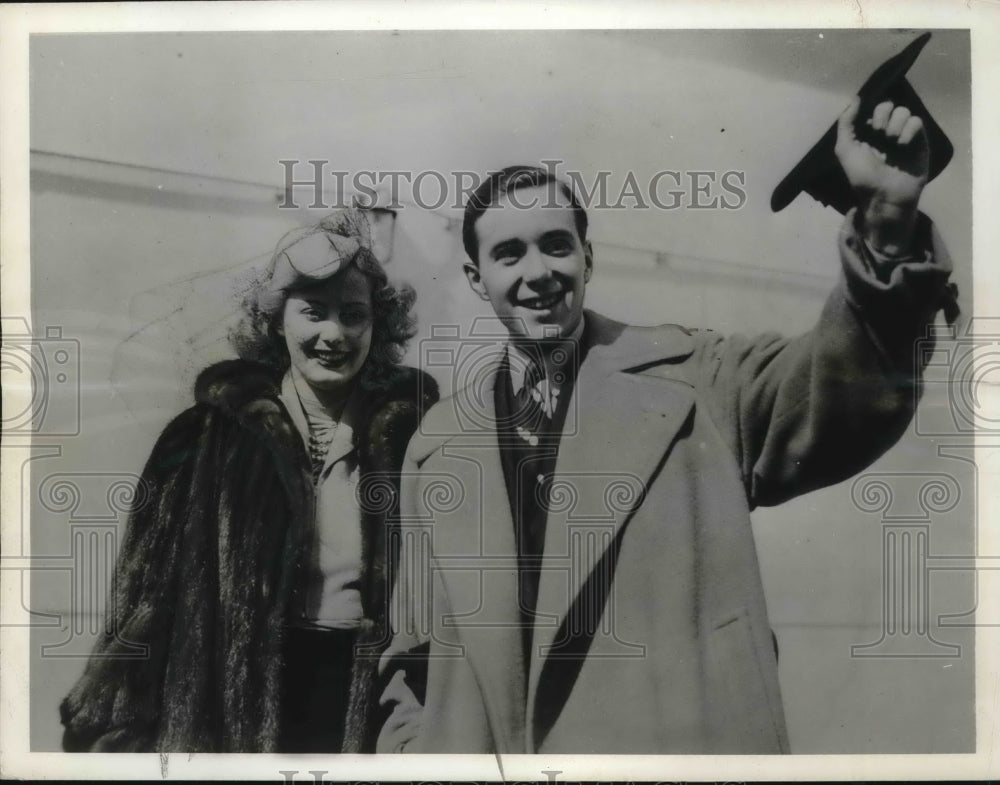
(593, 587)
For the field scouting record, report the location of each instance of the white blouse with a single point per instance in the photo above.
(332, 596)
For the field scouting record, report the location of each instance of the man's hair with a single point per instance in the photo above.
(499, 184)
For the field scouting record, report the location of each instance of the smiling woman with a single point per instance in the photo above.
(272, 501)
(328, 330)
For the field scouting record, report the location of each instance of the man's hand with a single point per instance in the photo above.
(887, 174)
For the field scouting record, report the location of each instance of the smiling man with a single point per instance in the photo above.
(526, 237)
(594, 586)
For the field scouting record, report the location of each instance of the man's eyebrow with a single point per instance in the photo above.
(504, 247)
(556, 234)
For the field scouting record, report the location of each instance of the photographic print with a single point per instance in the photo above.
(570, 396)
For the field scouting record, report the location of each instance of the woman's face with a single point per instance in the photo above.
(328, 329)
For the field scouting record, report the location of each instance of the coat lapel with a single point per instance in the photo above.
(619, 428)
(476, 553)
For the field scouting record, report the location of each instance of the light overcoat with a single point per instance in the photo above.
(651, 634)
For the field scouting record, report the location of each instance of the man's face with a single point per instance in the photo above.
(533, 267)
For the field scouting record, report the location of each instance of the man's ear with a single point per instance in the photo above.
(475, 280)
(588, 261)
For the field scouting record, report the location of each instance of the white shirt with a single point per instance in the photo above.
(548, 390)
(332, 596)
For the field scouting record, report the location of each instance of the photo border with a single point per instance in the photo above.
(17, 22)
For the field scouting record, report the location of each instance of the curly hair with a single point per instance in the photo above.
(256, 336)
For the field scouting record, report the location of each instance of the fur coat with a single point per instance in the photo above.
(207, 569)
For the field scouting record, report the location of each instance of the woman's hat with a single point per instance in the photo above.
(819, 173)
(313, 254)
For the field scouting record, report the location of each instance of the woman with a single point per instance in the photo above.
(257, 571)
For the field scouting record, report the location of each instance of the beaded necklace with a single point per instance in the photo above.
(322, 430)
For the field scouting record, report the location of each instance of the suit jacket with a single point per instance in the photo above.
(651, 632)
(210, 562)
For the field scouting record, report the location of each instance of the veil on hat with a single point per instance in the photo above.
(184, 327)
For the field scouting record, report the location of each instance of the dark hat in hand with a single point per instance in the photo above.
(819, 173)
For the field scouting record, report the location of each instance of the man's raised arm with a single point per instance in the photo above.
(811, 411)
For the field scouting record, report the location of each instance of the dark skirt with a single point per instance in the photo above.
(316, 683)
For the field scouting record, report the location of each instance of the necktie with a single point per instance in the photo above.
(530, 417)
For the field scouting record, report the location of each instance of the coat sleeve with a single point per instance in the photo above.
(810, 411)
(114, 705)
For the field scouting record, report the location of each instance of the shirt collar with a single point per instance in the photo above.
(517, 369)
(343, 441)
